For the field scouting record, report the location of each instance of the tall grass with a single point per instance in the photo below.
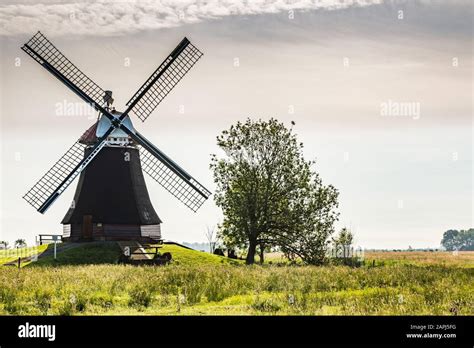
(237, 289)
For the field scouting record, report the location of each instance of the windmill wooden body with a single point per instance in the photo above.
(111, 200)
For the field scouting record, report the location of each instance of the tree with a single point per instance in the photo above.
(269, 194)
(19, 243)
(343, 241)
(345, 237)
(312, 221)
(4, 244)
(458, 240)
(467, 240)
(449, 239)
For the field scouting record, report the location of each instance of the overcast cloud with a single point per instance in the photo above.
(116, 18)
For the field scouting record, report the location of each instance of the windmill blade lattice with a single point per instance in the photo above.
(154, 162)
(163, 80)
(61, 175)
(46, 54)
(186, 189)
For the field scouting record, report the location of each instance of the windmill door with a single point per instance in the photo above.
(87, 227)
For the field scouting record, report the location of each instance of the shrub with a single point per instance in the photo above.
(266, 305)
(42, 299)
(140, 296)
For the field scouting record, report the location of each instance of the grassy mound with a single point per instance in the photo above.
(82, 254)
(96, 253)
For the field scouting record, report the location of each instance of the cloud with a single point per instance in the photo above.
(108, 18)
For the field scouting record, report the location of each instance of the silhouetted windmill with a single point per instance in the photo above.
(111, 200)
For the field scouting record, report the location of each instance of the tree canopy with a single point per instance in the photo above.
(458, 240)
(19, 243)
(269, 194)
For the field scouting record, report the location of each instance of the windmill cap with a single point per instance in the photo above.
(105, 123)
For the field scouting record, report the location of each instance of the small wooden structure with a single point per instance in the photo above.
(50, 238)
(135, 253)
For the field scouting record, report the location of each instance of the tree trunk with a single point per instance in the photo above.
(251, 252)
(262, 249)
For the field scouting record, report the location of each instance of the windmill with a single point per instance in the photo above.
(111, 200)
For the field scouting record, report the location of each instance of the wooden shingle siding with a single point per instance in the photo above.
(72, 232)
(122, 231)
(151, 231)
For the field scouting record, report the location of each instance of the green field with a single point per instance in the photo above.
(87, 281)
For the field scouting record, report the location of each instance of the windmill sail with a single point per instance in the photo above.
(154, 162)
(61, 175)
(70, 165)
(187, 190)
(170, 175)
(46, 54)
(163, 80)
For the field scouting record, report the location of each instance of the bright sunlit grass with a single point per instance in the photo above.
(198, 283)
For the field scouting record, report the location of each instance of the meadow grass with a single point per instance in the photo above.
(203, 286)
(445, 258)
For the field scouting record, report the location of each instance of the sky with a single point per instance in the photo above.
(380, 91)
